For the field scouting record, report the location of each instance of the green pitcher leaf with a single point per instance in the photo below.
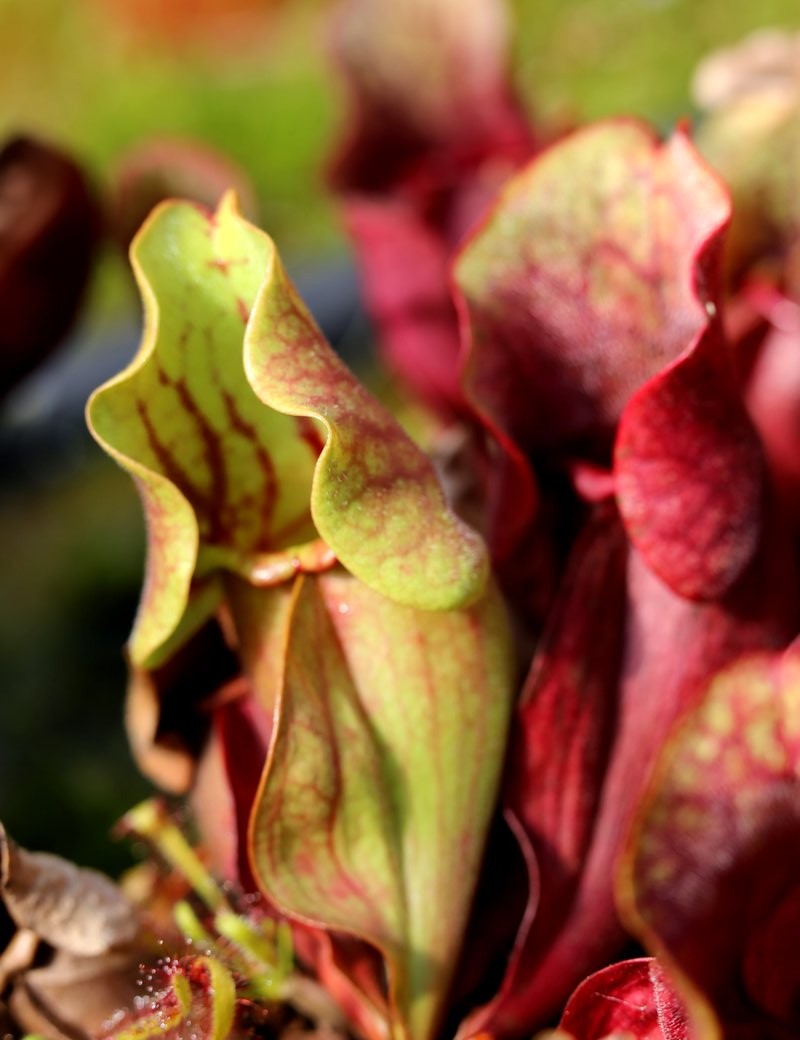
(383, 775)
(227, 482)
(184, 422)
(376, 499)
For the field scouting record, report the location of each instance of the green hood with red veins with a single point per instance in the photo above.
(255, 451)
(261, 460)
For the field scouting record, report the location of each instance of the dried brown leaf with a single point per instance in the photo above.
(73, 996)
(74, 909)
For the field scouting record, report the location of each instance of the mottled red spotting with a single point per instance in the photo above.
(711, 877)
(324, 385)
(568, 318)
(593, 324)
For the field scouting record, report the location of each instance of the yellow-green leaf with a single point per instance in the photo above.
(382, 777)
(376, 500)
(230, 466)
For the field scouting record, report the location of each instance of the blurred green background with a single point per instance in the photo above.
(98, 76)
